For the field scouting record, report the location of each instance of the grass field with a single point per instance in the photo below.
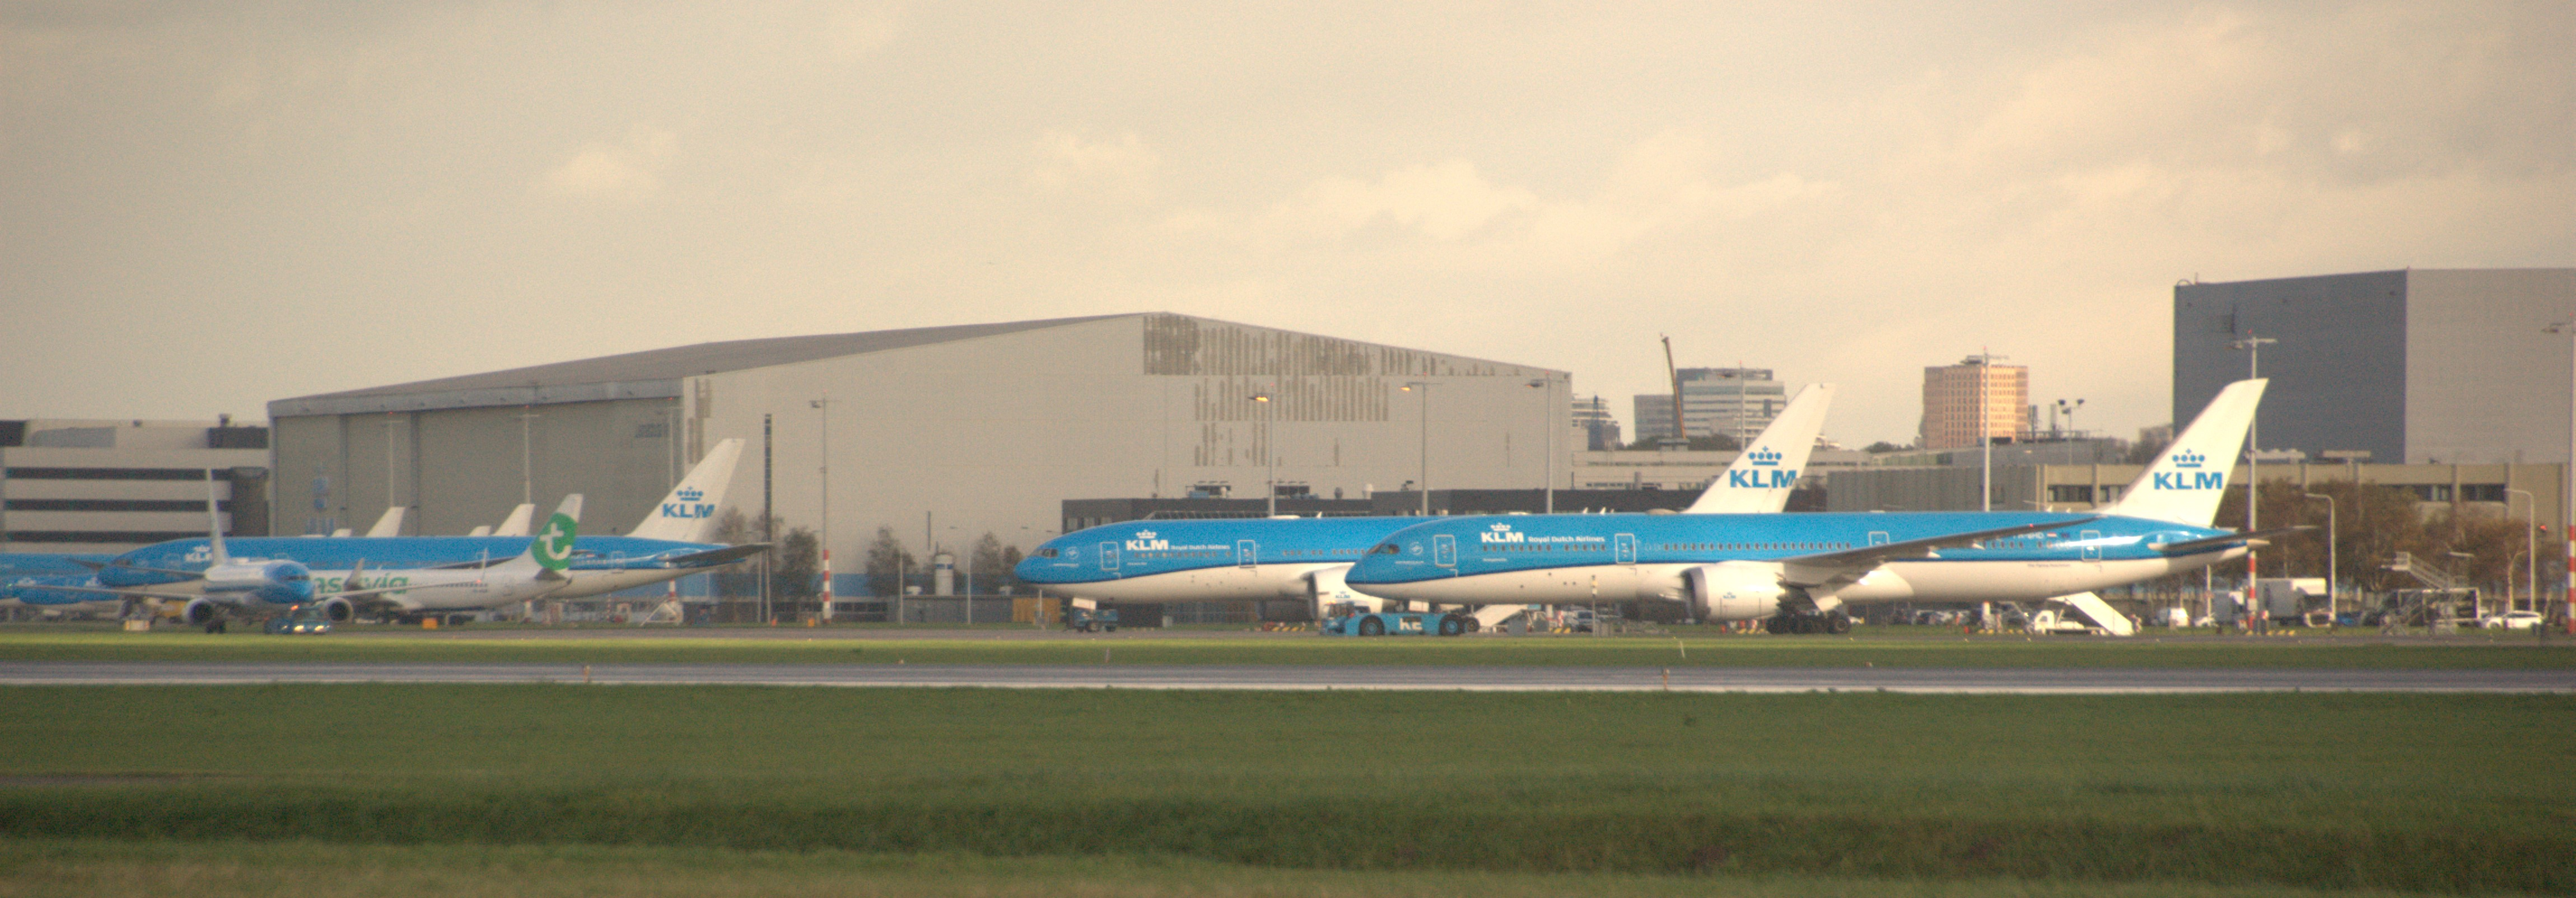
(1377, 793)
(1902, 647)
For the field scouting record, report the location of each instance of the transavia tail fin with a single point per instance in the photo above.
(517, 523)
(688, 514)
(551, 551)
(1760, 479)
(2186, 482)
(390, 524)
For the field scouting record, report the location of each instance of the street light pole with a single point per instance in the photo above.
(824, 407)
(2253, 346)
(1547, 420)
(2331, 559)
(1270, 447)
(2567, 472)
(1424, 387)
(1986, 428)
(2530, 544)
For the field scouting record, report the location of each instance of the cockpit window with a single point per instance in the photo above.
(1046, 552)
(1384, 549)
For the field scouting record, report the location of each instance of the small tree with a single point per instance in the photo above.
(741, 578)
(985, 564)
(800, 563)
(887, 562)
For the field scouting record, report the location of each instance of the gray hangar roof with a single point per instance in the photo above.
(652, 373)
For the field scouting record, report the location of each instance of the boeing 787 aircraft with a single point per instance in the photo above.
(1798, 572)
(1253, 559)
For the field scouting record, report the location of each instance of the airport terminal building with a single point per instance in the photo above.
(943, 433)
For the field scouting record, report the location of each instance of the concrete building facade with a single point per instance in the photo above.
(87, 486)
(1735, 403)
(2423, 366)
(942, 434)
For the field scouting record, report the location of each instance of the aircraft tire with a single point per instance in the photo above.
(1371, 626)
(1469, 625)
(1838, 623)
(1775, 625)
(1450, 626)
(1809, 625)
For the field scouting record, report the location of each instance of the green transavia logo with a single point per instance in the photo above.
(554, 546)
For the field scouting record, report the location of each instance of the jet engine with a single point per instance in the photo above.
(199, 612)
(339, 610)
(1735, 590)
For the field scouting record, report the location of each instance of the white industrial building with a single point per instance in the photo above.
(942, 434)
(106, 486)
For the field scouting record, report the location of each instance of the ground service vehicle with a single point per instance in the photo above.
(1085, 620)
(1351, 620)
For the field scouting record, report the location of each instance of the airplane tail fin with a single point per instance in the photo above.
(688, 514)
(1760, 479)
(517, 523)
(551, 551)
(218, 556)
(480, 530)
(2186, 482)
(390, 524)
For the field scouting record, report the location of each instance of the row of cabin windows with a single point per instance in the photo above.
(1721, 547)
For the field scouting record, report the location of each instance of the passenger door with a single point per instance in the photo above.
(1246, 553)
(1623, 548)
(1444, 550)
(1109, 557)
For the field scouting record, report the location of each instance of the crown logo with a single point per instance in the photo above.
(1765, 458)
(1144, 534)
(1501, 528)
(691, 494)
(2189, 459)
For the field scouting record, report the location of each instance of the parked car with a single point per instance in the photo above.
(2511, 620)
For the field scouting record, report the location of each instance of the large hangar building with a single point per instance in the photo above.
(941, 433)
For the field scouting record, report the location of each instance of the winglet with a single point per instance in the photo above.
(688, 513)
(2186, 482)
(1761, 478)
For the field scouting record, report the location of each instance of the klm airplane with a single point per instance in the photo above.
(1289, 558)
(1798, 572)
(670, 543)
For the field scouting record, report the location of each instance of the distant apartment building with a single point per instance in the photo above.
(1973, 399)
(91, 486)
(1592, 420)
(1731, 402)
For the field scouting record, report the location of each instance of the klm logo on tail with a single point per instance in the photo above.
(688, 507)
(1772, 479)
(2191, 477)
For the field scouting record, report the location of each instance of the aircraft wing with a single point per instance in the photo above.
(126, 593)
(713, 557)
(1846, 565)
(2189, 547)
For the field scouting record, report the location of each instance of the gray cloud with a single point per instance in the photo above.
(216, 205)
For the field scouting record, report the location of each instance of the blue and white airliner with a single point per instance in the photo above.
(1290, 558)
(1798, 572)
(669, 543)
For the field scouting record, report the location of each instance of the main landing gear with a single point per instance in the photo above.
(1808, 622)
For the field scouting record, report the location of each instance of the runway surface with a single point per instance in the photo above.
(2020, 681)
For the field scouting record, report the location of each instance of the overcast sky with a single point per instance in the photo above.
(206, 206)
